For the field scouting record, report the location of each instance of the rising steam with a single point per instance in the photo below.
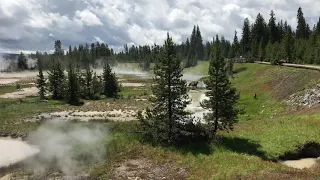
(4, 64)
(66, 146)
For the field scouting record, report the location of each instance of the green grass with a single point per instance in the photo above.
(12, 112)
(201, 69)
(134, 91)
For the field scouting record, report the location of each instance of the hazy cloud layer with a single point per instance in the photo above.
(34, 24)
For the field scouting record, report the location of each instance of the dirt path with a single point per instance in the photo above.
(314, 67)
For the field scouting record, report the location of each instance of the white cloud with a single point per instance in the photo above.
(27, 24)
(88, 18)
(98, 39)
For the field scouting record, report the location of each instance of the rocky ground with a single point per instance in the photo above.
(115, 115)
(308, 98)
(142, 168)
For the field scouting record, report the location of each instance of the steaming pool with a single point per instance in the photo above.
(14, 151)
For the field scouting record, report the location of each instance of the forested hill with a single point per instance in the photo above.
(265, 40)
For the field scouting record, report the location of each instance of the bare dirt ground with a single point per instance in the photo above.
(142, 168)
(4, 82)
(21, 77)
(22, 93)
(132, 84)
(114, 115)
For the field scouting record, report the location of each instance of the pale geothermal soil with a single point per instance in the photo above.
(14, 151)
(132, 84)
(26, 74)
(6, 177)
(301, 163)
(194, 107)
(4, 82)
(115, 115)
(137, 169)
(22, 93)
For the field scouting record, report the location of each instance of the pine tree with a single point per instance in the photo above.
(22, 62)
(246, 37)
(302, 28)
(199, 45)
(41, 82)
(268, 52)
(287, 45)
(229, 67)
(222, 97)
(111, 86)
(280, 28)
(261, 51)
(207, 51)
(56, 80)
(96, 85)
(192, 56)
(259, 32)
(234, 49)
(167, 122)
(190, 62)
(275, 53)
(317, 30)
(236, 44)
(88, 83)
(58, 51)
(81, 78)
(187, 49)
(272, 28)
(317, 50)
(73, 94)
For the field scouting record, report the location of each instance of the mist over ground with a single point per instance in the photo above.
(4, 64)
(66, 146)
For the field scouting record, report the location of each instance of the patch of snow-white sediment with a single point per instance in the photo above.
(115, 115)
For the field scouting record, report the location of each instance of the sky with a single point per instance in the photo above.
(30, 25)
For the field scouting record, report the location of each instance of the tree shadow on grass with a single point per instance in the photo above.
(242, 146)
(196, 148)
(238, 70)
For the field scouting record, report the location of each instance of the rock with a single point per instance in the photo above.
(308, 98)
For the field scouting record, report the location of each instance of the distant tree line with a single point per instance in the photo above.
(79, 83)
(273, 41)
